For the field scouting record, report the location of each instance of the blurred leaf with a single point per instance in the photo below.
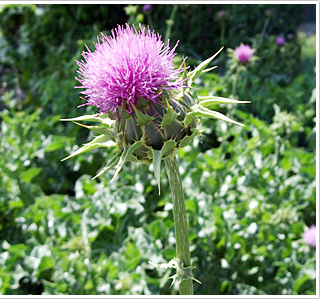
(29, 174)
(45, 268)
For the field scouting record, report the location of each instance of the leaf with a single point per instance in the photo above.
(103, 118)
(113, 162)
(198, 110)
(99, 141)
(209, 69)
(46, 263)
(15, 204)
(132, 256)
(300, 282)
(55, 146)
(29, 174)
(212, 100)
(93, 117)
(127, 151)
(198, 70)
(99, 129)
(157, 157)
(45, 268)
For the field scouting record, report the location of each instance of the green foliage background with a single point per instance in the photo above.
(250, 192)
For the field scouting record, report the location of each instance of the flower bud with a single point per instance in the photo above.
(158, 123)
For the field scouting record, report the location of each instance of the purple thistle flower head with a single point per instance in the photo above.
(128, 68)
(280, 40)
(310, 236)
(147, 7)
(243, 53)
(222, 15)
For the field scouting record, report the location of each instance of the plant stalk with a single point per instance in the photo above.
(170, 22)
(180, 220)
(223, 32)
(234, 83)
(266, 23)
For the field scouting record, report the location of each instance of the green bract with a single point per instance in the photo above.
(155, 130)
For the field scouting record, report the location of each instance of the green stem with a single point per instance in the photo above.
(170, 22)
(180, 221)
(150, 20)
(234, 83)
(222, 34)
(266, 23)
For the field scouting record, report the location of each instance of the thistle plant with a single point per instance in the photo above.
(240, 58)
(147, 109)
(222, 16)
(280, 41)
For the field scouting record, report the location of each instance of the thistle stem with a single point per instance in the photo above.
(223, 32)
(170, 22)
(234, 83)
(266, 23)
(180, 220)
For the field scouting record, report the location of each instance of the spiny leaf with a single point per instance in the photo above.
(127, 151)
(200, 111)
(99, 129)
(209, 69)
(198, 70)
(93, 117)
(212, 100)
(157, 157)
(113, 162)
(99, 141)
(103, 118)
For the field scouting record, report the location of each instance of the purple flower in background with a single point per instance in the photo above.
(147, 7)
(243, 53)
(270, 12)
(280, 40)
(128, 66)
(222, 15)
(310, 236)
